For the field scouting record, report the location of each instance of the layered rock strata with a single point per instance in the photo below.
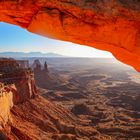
(16, 86)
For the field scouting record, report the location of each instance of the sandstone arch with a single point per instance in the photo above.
(112, 25)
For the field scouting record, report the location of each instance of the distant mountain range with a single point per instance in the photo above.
(30, 54)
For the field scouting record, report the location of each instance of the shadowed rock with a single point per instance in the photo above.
(2, 136)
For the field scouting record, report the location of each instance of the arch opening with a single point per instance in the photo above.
(112, 26)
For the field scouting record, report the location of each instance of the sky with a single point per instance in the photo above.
(16, 39)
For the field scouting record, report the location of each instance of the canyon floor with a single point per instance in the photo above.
(102, 92)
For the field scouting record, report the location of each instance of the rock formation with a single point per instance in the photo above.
(24, 116)
(111, 25)
(16, 86)
(23, 80)
(36, 64)
(6, 103)
(44, 78)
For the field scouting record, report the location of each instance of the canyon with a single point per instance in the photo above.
(68, 99)
(49, 111)
(111, 25)
(101, 92)
(26, 115)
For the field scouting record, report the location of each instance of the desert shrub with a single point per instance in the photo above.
(80, 109)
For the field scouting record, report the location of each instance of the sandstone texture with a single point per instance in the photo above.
(16, 86)
(6, 103)
(111, 25)
(25, 115)
(11, 73)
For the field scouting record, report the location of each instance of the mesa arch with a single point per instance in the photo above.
(111, 25)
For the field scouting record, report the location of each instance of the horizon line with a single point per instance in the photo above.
(62, 55)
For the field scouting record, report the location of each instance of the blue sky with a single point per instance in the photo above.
(16, 39)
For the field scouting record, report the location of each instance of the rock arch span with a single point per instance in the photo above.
(111, 25)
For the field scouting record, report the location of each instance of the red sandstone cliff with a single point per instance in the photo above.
(18, 80)
(24, 116)
(6, 103)
(112, 25)
(16, 86)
